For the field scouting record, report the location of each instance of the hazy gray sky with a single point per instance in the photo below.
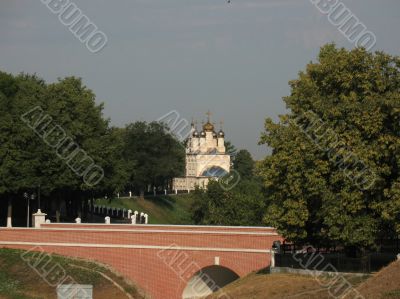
(187, 55)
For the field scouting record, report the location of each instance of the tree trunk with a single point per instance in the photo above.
(9, 212)
(91, 209)
(79, 207)
(58, 207)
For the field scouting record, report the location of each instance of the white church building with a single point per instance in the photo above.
(206, 158)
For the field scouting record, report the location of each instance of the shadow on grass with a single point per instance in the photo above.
(266, 270)
(163, 201)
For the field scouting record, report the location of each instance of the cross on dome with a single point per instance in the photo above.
(208, 126)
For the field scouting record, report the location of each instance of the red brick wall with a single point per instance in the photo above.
(161, 273)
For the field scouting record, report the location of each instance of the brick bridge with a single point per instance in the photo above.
(166, 261)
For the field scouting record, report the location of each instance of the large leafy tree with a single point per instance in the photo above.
(153, 156)
(27, 162)
(313, 175)
(141, 154)
(20, 149)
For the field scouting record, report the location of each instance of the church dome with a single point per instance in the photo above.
(202, 134)
(195, 134)
(208, 127)
(221, 133)
(214, 135)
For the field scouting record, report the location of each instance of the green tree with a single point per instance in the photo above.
(242, 205)
(153, 155)
(244, 164)
(20, 150)
(313, 175)
(230, 148)
(27, 162)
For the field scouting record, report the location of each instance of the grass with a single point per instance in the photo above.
(262, 285)
(393, 294)
(30, 275)
(169, 209)
(384, 284)
(381, 285)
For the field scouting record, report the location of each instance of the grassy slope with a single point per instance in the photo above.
(277, 286)
(19, 281)
(384, 284)
(161, 209)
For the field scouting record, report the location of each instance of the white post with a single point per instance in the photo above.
(9, 213)
(135, 214)
(176, 191)
(129, 214)
(272, 258)
(154, 191)
(48, 221)
(38, 218)
(165, 191)
(130, 194)
(107, 220)
(118, 194)
(78, 220)
(133, 219)
(146, 218)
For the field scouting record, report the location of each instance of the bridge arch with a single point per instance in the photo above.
(208, 280)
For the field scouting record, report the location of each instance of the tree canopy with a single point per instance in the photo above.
(333, 175)
(153, 155)
(244, 164)
(242, 205)
(237, 202)
(49, 133)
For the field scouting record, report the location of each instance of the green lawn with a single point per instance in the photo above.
(169, 209)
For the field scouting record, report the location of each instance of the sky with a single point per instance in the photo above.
(189, 56)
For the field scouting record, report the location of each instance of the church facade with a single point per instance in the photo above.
(206, 158)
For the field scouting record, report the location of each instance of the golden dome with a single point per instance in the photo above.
(208, 127)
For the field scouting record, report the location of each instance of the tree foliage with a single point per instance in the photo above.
(312, 176)
(154, 155)
(139, 154)
(239, 202)
(242, 205)
(244, 164)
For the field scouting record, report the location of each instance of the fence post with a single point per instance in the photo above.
(272, 259)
